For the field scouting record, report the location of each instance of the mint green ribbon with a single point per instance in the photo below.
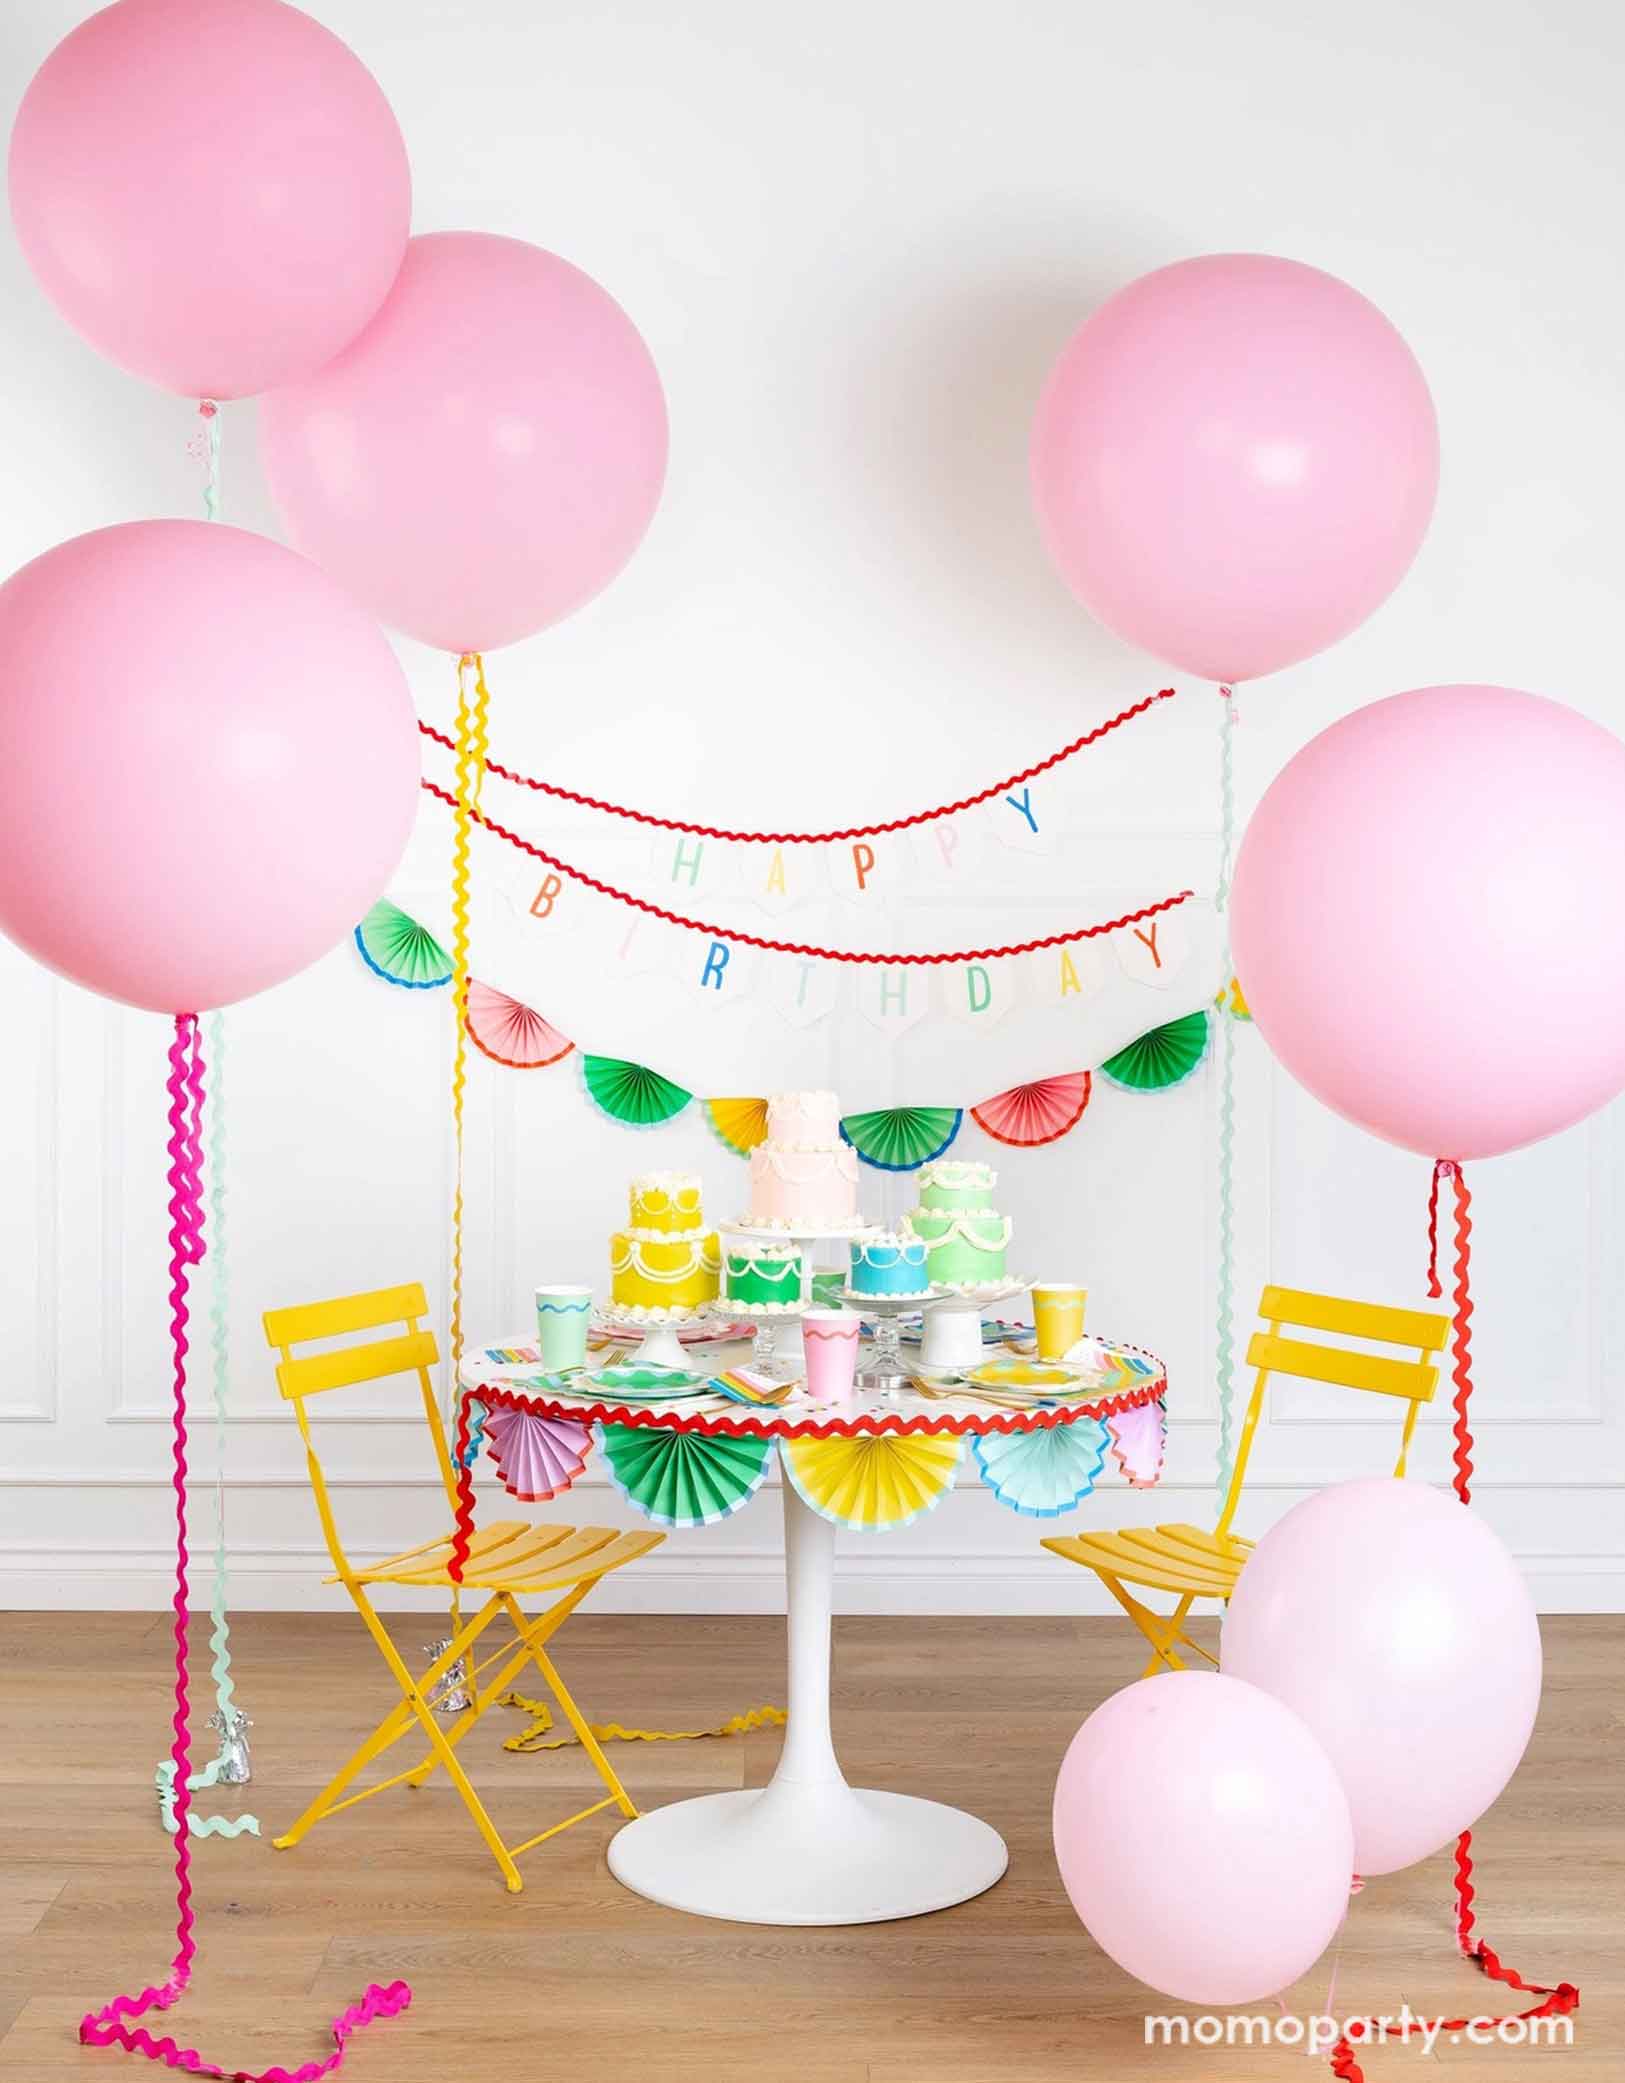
(1225, 1356)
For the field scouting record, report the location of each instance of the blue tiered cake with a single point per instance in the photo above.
(889, 1262)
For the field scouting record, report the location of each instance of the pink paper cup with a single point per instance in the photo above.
(830, 1338)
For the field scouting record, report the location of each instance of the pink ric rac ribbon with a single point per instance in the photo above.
(115, 2023)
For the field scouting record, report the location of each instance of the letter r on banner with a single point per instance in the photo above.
(541, 905)
(716, 961)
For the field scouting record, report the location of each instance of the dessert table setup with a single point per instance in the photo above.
(689, 1432)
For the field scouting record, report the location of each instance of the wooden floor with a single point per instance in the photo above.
(577, 1981)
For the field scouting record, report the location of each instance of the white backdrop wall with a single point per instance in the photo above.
(855, 239)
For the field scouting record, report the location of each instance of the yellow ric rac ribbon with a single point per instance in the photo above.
(473, 737)
(536, 1736)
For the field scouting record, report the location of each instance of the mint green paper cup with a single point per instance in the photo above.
(562, 1317)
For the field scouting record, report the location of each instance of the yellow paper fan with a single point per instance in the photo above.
(739, 1123)
(873, 1484)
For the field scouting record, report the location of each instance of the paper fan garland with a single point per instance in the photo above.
(536, 1457)
(395, 947)
(1138, 1438)
(739, 1123)
(1028, 1115)
(1043, 1473)
(508, 1032)
(873, 1484)
(631, 1094)
(679, 1479)
(900, 1139)
(1162, 1058)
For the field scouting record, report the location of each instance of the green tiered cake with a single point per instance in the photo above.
(964, 1235)
(763, 1276)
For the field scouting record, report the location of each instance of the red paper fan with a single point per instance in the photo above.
(1028, 1115)
(508, 1032)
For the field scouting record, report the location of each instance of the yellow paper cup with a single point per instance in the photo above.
(1058, 1317)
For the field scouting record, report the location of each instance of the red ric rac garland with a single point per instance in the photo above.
(1558, 2001)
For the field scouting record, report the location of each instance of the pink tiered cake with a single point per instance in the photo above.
(803, 1177)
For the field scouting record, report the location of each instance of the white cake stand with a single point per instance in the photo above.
(884, 1369)
(953, 1324)
(661, 1345)
(766, 1317)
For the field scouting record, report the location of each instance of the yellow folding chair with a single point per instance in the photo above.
(508, 1559)
(1192, 1564)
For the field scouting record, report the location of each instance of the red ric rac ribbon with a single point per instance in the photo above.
(116, 2023)
(1558, 2001)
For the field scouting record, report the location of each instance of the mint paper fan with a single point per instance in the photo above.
(1161, 1058)
(900, 1139)
(395, 947)
(739, 1123)
(1028, 1115)
(1045, 1472)
(679, 1479)
(508, 1032)
(630, 1093)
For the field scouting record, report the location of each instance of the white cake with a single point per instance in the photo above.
(803, 1177)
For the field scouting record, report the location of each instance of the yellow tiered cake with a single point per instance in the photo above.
(665, 1262)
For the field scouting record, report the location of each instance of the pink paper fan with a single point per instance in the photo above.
(1028, 1115)
(508, 1032)
(536, 1457)
(1138, 1437)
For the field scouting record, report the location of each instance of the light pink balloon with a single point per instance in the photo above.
(1426, 918)
(1203, 1838)
(1393, 1621)
(213, 192)
(211, 762)
(487, 455)
(1234, 461)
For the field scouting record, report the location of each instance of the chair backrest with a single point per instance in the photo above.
(1271, 1352)
(410, 1350)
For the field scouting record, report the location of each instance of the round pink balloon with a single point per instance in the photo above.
(1426, 921)
(1234, 462)
(487, 455)
(1390, 1618)
(213, 192)
(211, 762)
(1203, 1838)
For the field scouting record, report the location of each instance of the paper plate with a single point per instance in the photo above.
(1028, 1115)
(873, 1484)
(508, 1032)
(740, 1124)
(677, 1479)
(536, 1457)
(401, 951)
(1138, 1438)
(1025, 1374)
(1045, 1473)
(634, 1384)
(1162, 1058)
(900, 1139)
(631, 1094)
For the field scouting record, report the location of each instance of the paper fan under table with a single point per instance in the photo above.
(873, 1484)
(1162, 1058)
(739, 1123)
(1028, 1115)
(679, 1479)
(536, 1457)
(510, 1033)
(900, 1139)
(1139, 1437)
(1043, 1473)
(395, 947)
(630, 1093)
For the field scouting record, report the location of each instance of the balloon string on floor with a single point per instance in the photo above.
(1557, 2000)
(874, 831)
(795, 947)
(115, 2023)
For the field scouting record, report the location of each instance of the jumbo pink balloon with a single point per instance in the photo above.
(211, 762)
(213, 192)
(1425, 918)
(1203, 1838)
(1390, 1618)
(488, 454)
(1234, 462)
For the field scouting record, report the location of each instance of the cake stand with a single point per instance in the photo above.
(953, 1324)
(770, 1233)
(765, 1319)
(661, 1346)
(884, 1369)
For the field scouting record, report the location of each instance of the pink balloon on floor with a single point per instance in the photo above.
(1203, 1838)
(1234, 462)
(487, 455)
(211, 763)
(213, 192)
(1395, 1624)
(1426, 922)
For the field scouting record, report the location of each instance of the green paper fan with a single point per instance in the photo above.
(1162, 1058)
(679, 1479)
(395, 947)
(630, 1094)
(899, 1139)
